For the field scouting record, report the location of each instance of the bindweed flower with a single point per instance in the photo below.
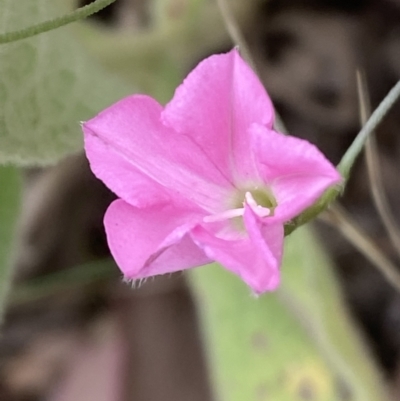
(205, 178)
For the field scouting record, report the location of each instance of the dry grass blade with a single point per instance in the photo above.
(374, 174)
(339, 218)
(239, 40)
(234, 31)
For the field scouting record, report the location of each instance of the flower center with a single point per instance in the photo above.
(261, 197)
(261, 201)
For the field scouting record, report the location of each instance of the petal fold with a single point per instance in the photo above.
(151, 241)
(295, 170)
(133, 153)
(215, 106)
(255, 258)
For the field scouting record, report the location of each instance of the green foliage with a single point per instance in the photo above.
(47, 86)
(48, 83)
(10, 184)
(295, 344)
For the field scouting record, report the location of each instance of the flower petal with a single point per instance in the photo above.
(215, 106)
(151, 241)
(255, 258)
(296, 171)
(156, 158)
(121, 176)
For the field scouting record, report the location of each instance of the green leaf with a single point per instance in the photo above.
(48, 85)
(10, 184)
(295, 344)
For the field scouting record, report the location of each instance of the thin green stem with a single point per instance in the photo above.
(79, 14)
(10, 197)
(347, 161)
(377, 116)
(315, 210)
(42, 287)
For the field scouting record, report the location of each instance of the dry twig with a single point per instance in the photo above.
(374, 174)
(340, 219)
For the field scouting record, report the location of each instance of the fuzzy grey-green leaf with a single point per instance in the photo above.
(48, 85)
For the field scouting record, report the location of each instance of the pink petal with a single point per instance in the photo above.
(297, 172)
(215, 106)
(121, 176)
(137, 156)
(255, 258)
(151, 241)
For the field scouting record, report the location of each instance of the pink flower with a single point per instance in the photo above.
(205, 178)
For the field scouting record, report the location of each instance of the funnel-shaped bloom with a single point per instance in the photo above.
(205, 178)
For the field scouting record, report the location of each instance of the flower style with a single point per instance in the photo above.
(205, 178)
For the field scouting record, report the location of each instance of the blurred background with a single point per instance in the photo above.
(73, 329)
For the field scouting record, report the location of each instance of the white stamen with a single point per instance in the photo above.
(229, 214)
(259, 210)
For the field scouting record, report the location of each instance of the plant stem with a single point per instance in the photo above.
(377, 116)
(73, 277)
(79, 14)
